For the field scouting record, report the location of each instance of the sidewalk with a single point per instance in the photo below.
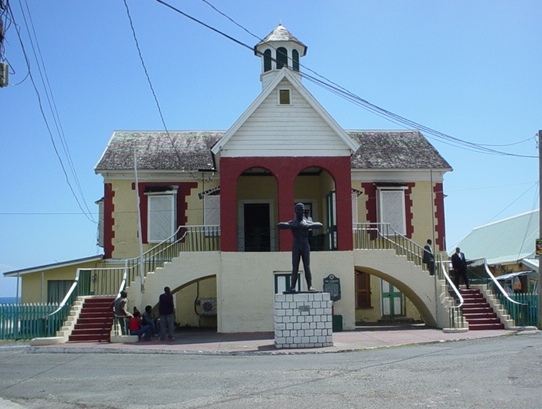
(208, 343)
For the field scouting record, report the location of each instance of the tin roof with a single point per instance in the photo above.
(503, 242)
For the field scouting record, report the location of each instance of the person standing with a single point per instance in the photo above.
(459, 264)
(166, 309)
(120, 311)
(429, 257)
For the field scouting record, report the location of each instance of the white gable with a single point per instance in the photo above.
(301, 128)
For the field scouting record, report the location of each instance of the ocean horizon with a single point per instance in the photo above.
(9, 300)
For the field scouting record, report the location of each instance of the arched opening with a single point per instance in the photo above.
(382, 298)
(295, 60)
(282, 58)
(257, 211)
(315, 188)
(267, 60)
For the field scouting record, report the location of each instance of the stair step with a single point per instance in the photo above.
(94, 322)
(94, 330)
(89, 314)
(480, 327)
(89, 338)
(485, 320)
(472, 309)
(479, 315)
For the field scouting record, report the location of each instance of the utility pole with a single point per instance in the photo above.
(539, 286)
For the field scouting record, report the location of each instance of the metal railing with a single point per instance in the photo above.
(23, 321)
(381, 236)
(112, 280)
(456, 320)
(520, 311)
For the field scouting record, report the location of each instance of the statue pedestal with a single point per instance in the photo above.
(303, 320)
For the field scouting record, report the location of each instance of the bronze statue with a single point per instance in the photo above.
(300, 228)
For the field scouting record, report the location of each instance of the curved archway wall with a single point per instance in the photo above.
(285, 170)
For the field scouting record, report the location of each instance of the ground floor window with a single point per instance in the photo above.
(57, 290)
(363, 290)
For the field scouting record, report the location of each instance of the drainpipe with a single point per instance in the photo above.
(139, 234)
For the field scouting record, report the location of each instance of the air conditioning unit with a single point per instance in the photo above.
(207, 306)
(4, 72)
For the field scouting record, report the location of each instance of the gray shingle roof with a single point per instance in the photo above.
(191, 150)
(395, 150)
(160, 150)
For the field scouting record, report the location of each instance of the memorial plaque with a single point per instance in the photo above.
(332, 285)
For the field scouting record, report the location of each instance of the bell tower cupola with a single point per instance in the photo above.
(279, 50)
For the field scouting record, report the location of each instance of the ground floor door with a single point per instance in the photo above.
(256, 226)
(392, 301)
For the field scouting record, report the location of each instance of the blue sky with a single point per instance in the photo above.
(469, 69)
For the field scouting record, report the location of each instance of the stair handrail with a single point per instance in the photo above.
(455, 310)
(374, 226)
(46, 330)
(497, 284)
(503, 292)
(68, 294)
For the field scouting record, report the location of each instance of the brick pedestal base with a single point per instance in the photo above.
(303, 320)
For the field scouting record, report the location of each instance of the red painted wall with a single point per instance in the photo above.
(439, 216)
(109, 221)
(285, 170)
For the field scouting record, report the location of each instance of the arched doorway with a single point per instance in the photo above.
(257, 210)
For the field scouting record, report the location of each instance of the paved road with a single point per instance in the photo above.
(504, 372)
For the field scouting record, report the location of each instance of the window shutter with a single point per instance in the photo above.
(211, 214)
(161, 225)
(392, 209)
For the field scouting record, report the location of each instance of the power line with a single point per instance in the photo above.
(357, 100)
(52, 107)
(134, 35)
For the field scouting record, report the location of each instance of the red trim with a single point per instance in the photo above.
(285, 171)
(182, 192)
(109, 208)
(409, 216)
(370, 203)
(440, 227)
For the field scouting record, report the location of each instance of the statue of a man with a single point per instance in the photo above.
(300, 227)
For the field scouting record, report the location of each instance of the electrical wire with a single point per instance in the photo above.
(52, 106)
(140, 54)
(87, 213)
(357, 100)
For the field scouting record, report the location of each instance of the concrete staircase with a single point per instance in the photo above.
(94, 321)
(478, 312)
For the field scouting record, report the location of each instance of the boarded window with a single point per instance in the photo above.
(211, 214)
(392, 209)
(161, 217)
